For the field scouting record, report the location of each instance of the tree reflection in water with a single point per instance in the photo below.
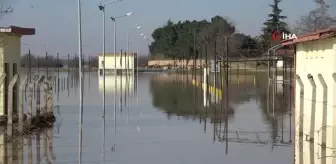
(177, 96)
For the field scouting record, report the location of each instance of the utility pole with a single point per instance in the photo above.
(227, 94)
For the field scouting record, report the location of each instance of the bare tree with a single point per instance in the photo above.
(316, 19)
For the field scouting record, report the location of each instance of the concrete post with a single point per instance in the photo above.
(20, 111)
(36, 77)
(38, 96)
(30, 102)
(324, 117)
(298, 79)
(2, 80)
(313, 107)
(50, 102)
(334, 77)
(46, 86)
(10, 106)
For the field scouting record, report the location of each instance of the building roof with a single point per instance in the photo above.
(17, 30)
(321, 34)
(283, 52)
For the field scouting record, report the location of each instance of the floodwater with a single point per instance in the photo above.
(161, 119)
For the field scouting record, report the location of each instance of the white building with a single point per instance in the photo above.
(10, 50)
(125, 63)
(315, 97)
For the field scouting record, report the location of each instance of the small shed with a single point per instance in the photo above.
(315, 96)
(10, 50)
(125, 62)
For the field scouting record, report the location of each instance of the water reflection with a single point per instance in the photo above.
(14, 151)
(177, 95)
(116, 83)
(193, 133)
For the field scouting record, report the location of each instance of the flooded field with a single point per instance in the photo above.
(161, 118)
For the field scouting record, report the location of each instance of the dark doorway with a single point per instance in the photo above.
(15, 90)
(6, 82)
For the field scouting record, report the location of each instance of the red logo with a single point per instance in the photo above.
(277, 35)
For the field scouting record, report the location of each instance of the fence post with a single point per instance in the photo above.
(30, 102)
(10, 105)
(50, 104)
(47, 85)
(2, 78)
(36, 77)
(313, 108)
(38, 95)
(324, 115)
(20, 111)
(31, 93)
(45, 96)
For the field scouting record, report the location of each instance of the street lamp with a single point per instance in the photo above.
(101, 7)
(80, 79)
(136, 28)
(128, 48)
(115, 36)
(80, 60)
(115, 57)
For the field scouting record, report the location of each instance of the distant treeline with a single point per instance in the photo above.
(53, 62)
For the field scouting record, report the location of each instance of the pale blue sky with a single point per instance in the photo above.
(56, 20)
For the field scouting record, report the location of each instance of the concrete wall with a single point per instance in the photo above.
(315, 115)
(10, 50)
(128, 62)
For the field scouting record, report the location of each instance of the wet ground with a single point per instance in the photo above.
(164, 122)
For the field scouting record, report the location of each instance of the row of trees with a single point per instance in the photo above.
(191, 39)
(185, 40)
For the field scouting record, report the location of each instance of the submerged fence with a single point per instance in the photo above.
(51, 62)
(19, 118)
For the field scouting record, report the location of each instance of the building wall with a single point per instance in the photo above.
(123, 62)
(2, 95)
(10, 50)
(315, 118)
